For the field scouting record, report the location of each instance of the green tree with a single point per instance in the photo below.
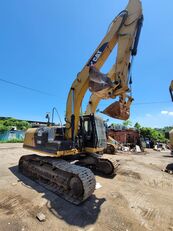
(127, 123)
(167, 129)
(6, 125)
(10, 122)
(137, 126)
(152, 134)
(3, 128)
(22, 125)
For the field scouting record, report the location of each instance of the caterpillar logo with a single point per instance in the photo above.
(96, 56)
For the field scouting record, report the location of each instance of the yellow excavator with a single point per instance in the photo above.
(171, 132)
(71, 150)
(169, 167)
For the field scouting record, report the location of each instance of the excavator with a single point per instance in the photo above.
(171, 132)
(169, 167)
(71, 157)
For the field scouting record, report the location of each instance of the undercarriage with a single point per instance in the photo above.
(71, 179)
(98, 164)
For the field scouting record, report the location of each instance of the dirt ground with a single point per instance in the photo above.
(139, 198)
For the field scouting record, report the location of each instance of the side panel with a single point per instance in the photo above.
(29, 137)
(46, 140)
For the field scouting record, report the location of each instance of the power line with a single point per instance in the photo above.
(159, 102)
(49, 94)
(25, 87)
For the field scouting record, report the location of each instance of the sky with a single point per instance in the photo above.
(44, 44)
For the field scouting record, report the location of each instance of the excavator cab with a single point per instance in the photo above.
(92, 132)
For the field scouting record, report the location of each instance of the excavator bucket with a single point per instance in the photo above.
(117, 110)
(98, 81)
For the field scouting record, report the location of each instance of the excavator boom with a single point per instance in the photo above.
(116, 82)
(123, 31)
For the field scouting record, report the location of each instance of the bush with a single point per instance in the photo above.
(3, 128)
(6, 125)
(13, 141)
(152, 134)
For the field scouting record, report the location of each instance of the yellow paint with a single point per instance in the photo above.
(93, 150)
(29, 137)
(67, 152)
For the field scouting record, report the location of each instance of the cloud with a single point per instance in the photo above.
(167, 113)
(164, 112)
(154, 119)
(148, 115)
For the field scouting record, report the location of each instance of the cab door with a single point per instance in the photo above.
(88, 132)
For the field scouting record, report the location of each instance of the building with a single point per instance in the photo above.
(124, 135)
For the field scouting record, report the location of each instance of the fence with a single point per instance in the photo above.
(10, 135)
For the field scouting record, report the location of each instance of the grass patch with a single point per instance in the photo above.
(12, 141)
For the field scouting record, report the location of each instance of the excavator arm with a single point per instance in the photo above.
(120, 73)
(122, 31)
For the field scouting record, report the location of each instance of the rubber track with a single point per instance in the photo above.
(85, 175)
